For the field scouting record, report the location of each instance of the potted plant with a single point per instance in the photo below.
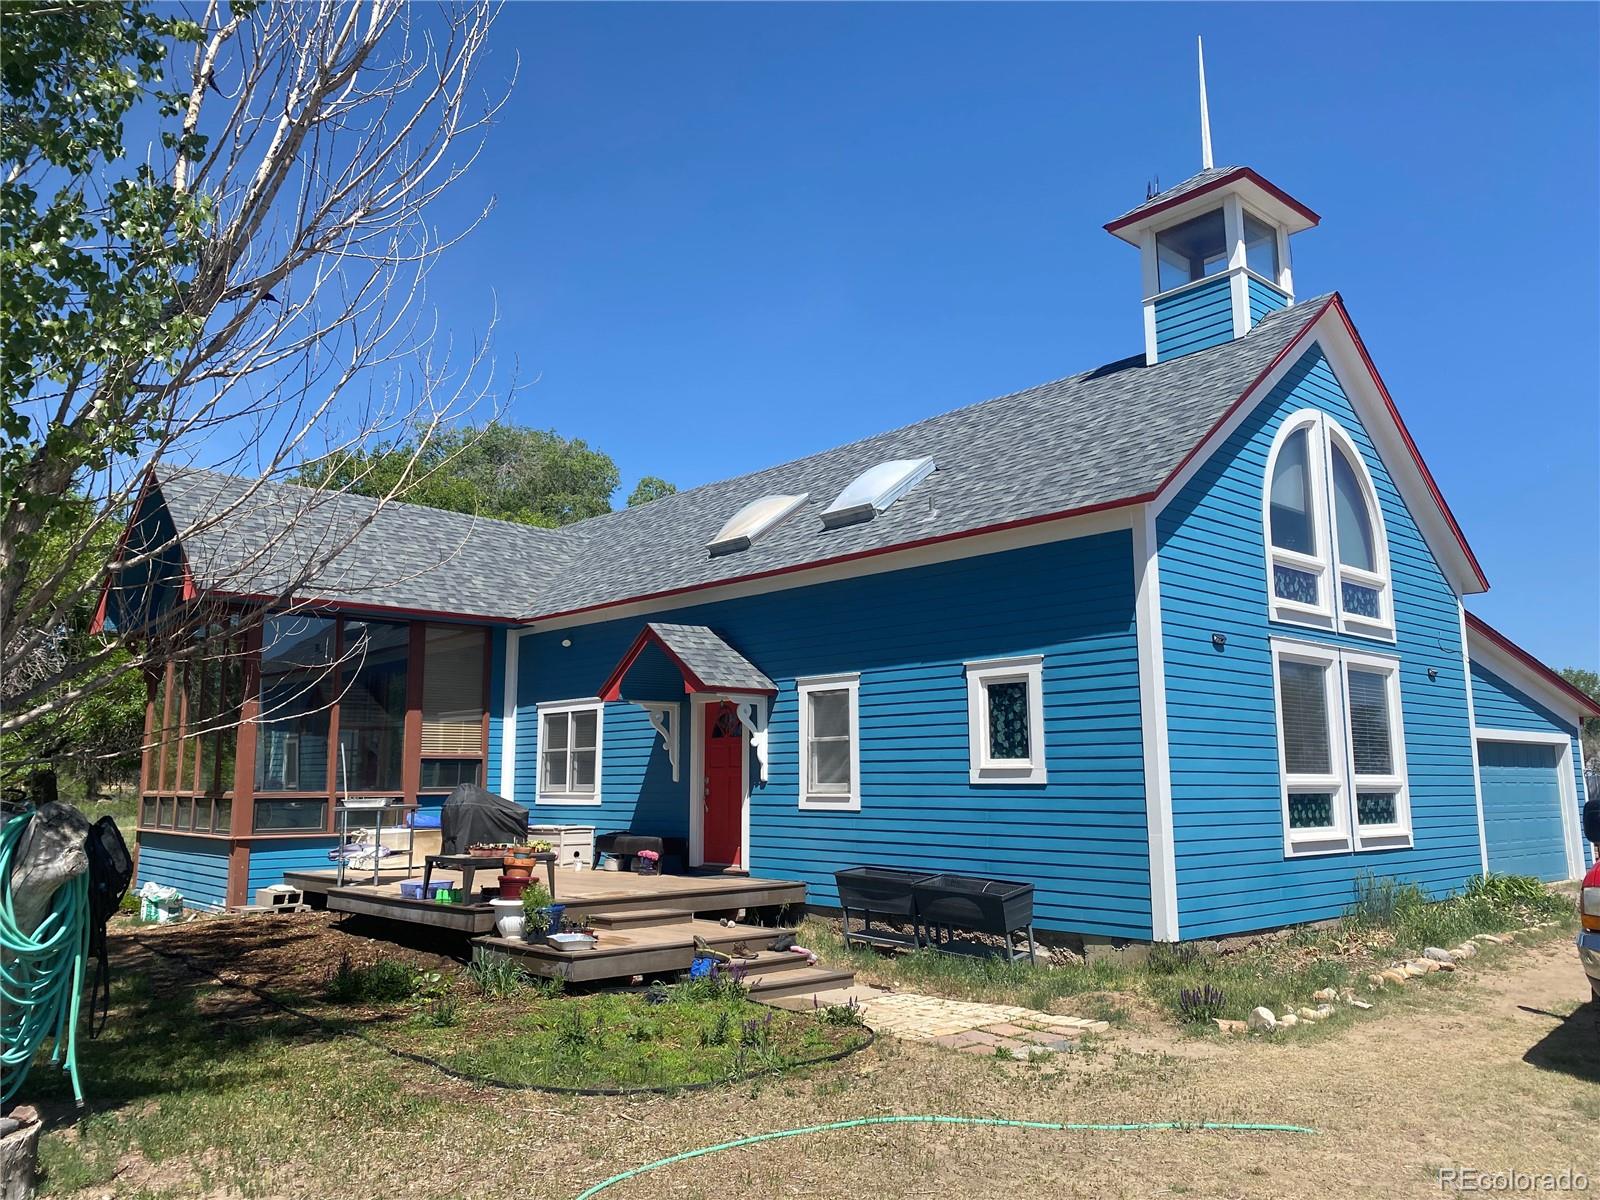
(540, 912)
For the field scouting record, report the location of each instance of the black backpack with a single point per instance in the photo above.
(110, 872)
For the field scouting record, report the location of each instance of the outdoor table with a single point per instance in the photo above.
(470, 864)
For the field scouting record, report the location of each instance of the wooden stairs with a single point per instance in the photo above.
(663, 941)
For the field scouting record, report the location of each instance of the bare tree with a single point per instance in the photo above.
(286, 242)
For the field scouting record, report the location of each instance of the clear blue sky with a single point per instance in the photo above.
(727, 236)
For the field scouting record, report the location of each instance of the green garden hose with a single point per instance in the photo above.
(1052, 1126)
(41, 973)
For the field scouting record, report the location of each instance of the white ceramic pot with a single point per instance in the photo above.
(508, 918)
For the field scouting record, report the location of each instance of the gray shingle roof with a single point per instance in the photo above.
(257, 538)
(718, 666)
(1192, 184)
(1093, 439)
(1106, 436)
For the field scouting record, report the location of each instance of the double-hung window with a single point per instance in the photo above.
(1341, 750)
(1005, 720)
(570, 740)
(830, 744)
(1327, 559)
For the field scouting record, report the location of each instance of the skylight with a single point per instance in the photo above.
(874, 490)
(753, 520)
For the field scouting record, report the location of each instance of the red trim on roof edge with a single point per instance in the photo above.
(1272, 366)
(1019, 523)
(1142, 213)
(98, 625)
(1480, 626)
(1405, 434)
(344, 606)
(1336, 302)
(612, 688)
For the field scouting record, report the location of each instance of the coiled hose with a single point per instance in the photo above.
(41, 973)
(1002, 1122)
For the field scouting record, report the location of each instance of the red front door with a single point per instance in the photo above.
(724, 812)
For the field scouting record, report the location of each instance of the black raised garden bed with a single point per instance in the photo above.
(946, 903)
(885, 891)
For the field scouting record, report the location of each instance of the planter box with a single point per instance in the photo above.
(886, 891)
(994, 906)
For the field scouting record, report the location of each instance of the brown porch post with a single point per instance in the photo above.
(244, 766)
(411, 749)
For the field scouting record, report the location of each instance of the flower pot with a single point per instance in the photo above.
(511, 886)
(508, 918)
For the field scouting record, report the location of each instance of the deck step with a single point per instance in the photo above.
(804, 981)
(765, 963)
(639, 918)
(755, 938)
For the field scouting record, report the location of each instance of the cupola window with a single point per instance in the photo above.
(1261, 248)
(1192, 250)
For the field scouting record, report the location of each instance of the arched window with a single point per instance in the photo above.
(1327, 563)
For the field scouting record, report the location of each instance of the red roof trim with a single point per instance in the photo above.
(1584, 701)
(343, 606)
(1277, 360)
(1001, 527)
(1272, 189)
(98, 625)
(1411, 445)
(612, 688)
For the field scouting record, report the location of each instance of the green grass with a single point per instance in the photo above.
(1386, 920)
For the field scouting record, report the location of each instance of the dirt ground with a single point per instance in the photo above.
(1498, 1071)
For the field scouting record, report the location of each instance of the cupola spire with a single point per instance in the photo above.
(1205, 112)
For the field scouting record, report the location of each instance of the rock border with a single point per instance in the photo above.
(1325, 1000)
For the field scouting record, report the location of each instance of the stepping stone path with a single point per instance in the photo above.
(964, 1025)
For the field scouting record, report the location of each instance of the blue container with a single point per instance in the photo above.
(556, 912)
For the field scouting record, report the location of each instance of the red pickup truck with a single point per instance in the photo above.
(1589, 903)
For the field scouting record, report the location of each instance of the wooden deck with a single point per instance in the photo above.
(583, 892)
(646, 924)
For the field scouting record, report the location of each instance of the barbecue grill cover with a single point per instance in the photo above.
(473, 814)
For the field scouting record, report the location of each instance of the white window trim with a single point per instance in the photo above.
(1383, 627)
(1304, 842)
(850, 683)
(540, 795)
(1323, 435)
(1347, 833)
(1395, 834)
(1320, 614)
(1029, 669)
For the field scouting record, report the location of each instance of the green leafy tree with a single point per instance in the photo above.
(238, 285)
(1587, 682)
(534, 476)
(651, 487)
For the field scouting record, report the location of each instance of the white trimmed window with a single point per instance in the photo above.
(1341, 750)
(1005, 719)
(1327, 554)
(830, 742)
(569, 754)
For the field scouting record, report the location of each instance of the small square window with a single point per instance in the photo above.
(1193, 250)
(1261, 248)
(1005, 717)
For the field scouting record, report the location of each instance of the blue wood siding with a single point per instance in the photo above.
(1264, 299)
(1228, 825)
(1194, 319)
(269, 859)
(1497, 704)
(1081, 837)
(1522, 818)
(197, 867)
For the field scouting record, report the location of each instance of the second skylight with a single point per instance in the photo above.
(874, 490)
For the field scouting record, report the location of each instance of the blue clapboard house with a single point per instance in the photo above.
(1180, 639)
